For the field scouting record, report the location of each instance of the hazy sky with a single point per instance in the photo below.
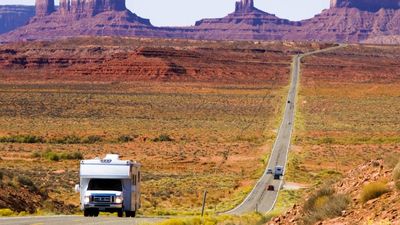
(186, 12)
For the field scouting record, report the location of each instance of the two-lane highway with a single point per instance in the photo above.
(76, 220)
(260, 199)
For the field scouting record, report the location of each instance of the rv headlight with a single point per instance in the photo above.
(87, 199)
(119, 199)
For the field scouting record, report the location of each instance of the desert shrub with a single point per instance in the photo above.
(25, 181)
(54, 156)
(6, 212)
(36, 154)
(248, 219)
(309, 205)
(325, 203)
(125, 138)
(72, 156)
(70, 139)
(373, 190)
(327, 140)
(396, 176)
(163, 138)
(28, 139)
(173, 221)
(92, 139)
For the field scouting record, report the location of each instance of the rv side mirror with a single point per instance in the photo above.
(77, 188)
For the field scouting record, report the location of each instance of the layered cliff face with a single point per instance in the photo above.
(14, 16)
(366, 5)
(90, 7)
(244, 6)
(349, 24)
(81, 17)
(44, 7)
(246, 22)
(346, 21)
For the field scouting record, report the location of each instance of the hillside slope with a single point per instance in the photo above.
(381, 209)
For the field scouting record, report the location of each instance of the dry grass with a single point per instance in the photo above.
(189, 137)
(373, 190)
(347, 111)
(249, 219)
(325, 203)
(396, 176)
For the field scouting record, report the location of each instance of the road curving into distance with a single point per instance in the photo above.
(260, 199)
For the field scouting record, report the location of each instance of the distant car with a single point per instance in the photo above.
(271, 188)
(269, 171)
(279, 171)
(288, 102)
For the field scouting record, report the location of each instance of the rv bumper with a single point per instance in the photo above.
(103, 207)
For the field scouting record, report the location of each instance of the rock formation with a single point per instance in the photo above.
(44, 7)
(246, 22)
(90, 7)
(366, 5)
(14, 16)
(346, 21)
(349, 24)
(244, 6)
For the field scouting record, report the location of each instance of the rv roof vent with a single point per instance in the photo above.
(112, 156)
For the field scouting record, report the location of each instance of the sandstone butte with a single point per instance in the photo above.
(349, 21)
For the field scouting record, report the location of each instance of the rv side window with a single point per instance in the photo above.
(105, 185)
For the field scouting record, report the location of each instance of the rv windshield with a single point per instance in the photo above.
(105, 185)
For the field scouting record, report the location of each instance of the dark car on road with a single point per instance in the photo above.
(271, 188)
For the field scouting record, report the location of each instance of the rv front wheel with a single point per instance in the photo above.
(86, 212)
(120, 213)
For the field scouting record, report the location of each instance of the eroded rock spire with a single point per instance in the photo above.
(244, 6)
(44, 7)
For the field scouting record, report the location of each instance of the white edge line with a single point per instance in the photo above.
(270, 157)
(300, 57)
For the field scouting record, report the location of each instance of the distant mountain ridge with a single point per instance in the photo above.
(14, 16)
(349, 21)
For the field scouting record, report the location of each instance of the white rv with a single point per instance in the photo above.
(109, 185)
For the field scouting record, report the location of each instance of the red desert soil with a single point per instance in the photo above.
(384, 209)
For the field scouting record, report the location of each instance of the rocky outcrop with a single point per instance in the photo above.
(90, 7)
(44, 7)
(14, 16)
(244, 6)
(384, 40)
(247, 22)
(350, 21)
(384, 208)
(129, 59)
(348, 25)
(366, 5)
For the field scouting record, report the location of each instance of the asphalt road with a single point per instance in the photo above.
(260, 199)
(76, 220)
